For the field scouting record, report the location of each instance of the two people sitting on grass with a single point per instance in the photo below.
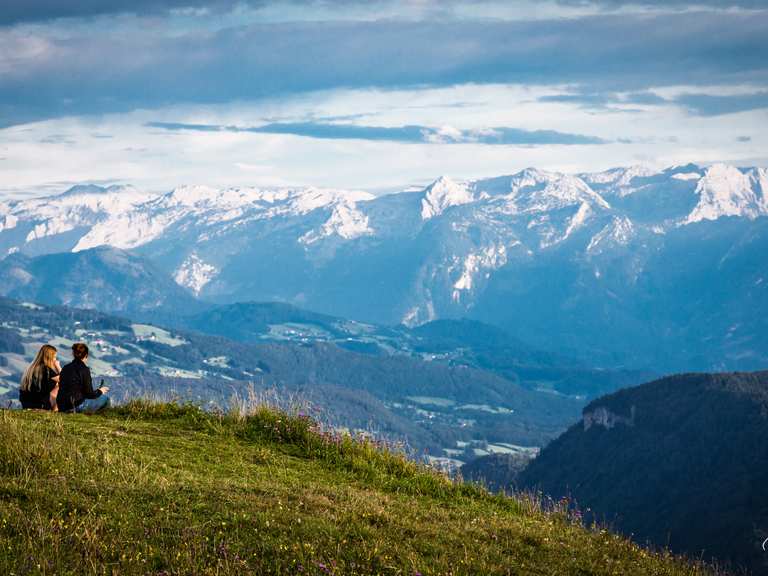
(74, 391)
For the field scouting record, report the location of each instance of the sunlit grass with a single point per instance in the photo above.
(152, 488)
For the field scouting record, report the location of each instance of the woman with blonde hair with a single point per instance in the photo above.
(40, 383)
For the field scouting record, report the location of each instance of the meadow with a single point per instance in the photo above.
(158, 488)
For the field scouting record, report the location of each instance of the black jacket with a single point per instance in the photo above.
(39, 394)
(75, 386)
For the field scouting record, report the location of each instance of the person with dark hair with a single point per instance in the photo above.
(76, 393)
(40, 382)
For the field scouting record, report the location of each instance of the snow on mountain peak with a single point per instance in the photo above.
(578, 219)
(309, 199)
(636, 171)
(488, 258)
(79, 207)
(531, 178)
(7, 221)
(537, 191)
(282, 200)
(619, 178)
(444, 193)
(194, 273)
(685, 172)
(531, 205)
(345, 221)
(727, 191)
(187, 195)
(617, 233)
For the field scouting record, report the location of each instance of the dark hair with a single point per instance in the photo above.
(79, 350)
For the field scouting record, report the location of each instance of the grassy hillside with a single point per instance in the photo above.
(162, 489)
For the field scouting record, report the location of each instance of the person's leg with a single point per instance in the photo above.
(92, 405)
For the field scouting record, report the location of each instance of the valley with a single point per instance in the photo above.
(415, 389)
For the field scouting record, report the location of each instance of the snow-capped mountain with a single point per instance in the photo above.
(621, 266)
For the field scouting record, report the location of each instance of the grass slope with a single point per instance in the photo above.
(162, 489)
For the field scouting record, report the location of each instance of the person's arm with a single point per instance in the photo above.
(52, 385)
(52, 398)
(88, 391)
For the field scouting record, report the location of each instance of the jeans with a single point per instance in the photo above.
(91, 405)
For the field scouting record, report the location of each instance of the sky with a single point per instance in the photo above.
(377, 95)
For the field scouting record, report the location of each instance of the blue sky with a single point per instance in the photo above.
(372, 95)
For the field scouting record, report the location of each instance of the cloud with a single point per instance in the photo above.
(17, 11)
(697, 104)
(604, 100)
(643, 98)
(24, 11)
(712, 105)
(405, 134)
(160, 159)
(57, 139)
(589, 100)
(744, 139)
(669, 4)
(50, 73)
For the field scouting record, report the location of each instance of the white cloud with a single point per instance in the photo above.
(58, 152)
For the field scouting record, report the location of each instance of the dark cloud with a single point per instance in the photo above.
(588, 100)
(17, 11)
(643, 98)
(708, 105)
(669, 4)
(606, 100)
(744, 139)
(695, 104)
(95, 72)
(406, 134)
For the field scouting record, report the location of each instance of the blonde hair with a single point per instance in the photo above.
(34, 374)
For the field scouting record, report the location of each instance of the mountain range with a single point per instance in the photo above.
(630, 267)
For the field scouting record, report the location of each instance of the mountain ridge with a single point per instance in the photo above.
(724, 190)
(577, 259)
(104, 278)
